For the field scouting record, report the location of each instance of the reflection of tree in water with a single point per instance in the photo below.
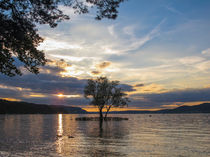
(105, 141)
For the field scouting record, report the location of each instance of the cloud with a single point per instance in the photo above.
(112, 31)
(148, 89)
(52, 44)
(204, 66)
(173, 10)
(187, 95)
(137, 42)
(191, 60)
(139, 85)
(70, 58)
(152, 88)
(49, 86)
(79, 41)
(178, 97)
(43, 88)
(5, 93)
(10, 99)
(206, 52)
(46, 83)
(95, 72)
(129, 30)
(127, 88)
(104, 65)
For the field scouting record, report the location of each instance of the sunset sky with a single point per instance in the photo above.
(159, 50)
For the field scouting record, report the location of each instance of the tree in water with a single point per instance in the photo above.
(19, 36)
(105, 94)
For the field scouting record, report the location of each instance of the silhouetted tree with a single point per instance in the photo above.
(105, 94)
(18, 33)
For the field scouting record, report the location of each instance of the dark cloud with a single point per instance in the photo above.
(139, 85)
(146, 104)
(57, 101)
(95, 72)
(8, 93)
(45, 83)
(51, 69)
(126, 87)
(182, 95)
(167, 98)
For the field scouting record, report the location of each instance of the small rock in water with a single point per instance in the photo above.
(58, 136)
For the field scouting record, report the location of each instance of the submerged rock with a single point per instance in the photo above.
(58, 136)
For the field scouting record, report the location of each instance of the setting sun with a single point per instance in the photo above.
(60, 95)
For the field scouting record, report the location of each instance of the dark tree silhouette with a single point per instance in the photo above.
(105, 94)
(18, 33)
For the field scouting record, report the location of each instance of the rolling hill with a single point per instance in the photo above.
(13, 107)
(202, 108)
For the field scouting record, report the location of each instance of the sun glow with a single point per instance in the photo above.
(60, 95)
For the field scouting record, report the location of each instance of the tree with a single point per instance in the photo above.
(19, 36)
(105, 94)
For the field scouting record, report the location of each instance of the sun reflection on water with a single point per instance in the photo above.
(60, 133)
(60, 125)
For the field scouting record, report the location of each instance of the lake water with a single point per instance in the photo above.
(142, 135)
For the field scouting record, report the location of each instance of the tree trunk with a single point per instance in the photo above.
(101, 119)
(107, 112)
(101, 115)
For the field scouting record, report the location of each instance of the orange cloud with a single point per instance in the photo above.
(11, 99)
(61, 95)
(95, 72)
(151, 88)
(139, 85)
(104, 65)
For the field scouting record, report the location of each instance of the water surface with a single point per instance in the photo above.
(142, 135)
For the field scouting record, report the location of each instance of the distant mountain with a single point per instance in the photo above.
(13, 107)
(202, 108)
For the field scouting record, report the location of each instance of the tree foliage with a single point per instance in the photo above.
(19, 36)
(105, 94)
